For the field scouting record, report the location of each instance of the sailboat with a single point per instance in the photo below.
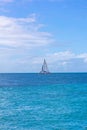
(44, 69)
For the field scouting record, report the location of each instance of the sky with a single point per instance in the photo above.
(31, 30)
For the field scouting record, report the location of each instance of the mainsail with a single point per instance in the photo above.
(44, 69)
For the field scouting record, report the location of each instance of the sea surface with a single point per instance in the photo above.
(56, 101)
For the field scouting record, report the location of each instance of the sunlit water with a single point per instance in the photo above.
(43, 102)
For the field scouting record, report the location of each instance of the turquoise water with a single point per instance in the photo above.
(43, 102)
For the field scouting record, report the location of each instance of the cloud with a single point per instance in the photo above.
(83, 56)
(23, 45)
(16, 32)
(20, 38)
(64, 61)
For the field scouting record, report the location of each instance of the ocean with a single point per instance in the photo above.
(30, 101)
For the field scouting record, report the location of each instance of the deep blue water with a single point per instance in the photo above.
(43, 102)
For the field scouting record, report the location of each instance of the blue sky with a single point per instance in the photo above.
(31, 30)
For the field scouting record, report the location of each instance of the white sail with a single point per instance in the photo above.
(44, 68)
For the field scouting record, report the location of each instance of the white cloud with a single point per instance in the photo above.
(61, 56)
(83, 56)
(20, 38)
(22, 47)
(16, 32)
(63, 61)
